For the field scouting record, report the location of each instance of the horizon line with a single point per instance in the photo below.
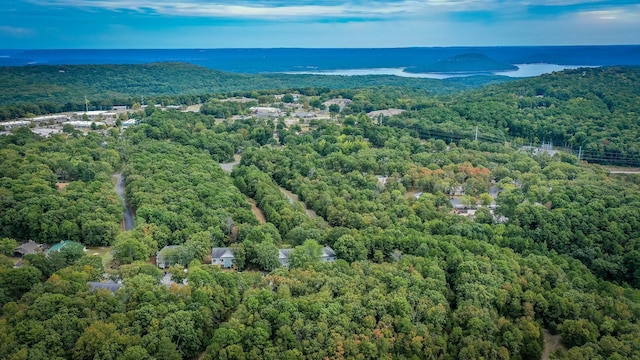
(326, 48)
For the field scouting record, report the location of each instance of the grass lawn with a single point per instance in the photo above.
(103, 251)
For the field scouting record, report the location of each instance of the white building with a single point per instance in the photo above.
(128, 123)
(264, 111)
(57, 119)
(8, 125)
(97, 114)
(83, 124)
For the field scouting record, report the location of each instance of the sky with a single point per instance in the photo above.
(124, 24)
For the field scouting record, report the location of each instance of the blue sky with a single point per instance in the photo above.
(94, 24)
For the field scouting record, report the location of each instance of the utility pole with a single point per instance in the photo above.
(579, 152)
(476, 138)
(86, 104)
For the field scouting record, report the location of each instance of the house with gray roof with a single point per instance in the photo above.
(328, 255)
(222, 257)
(283, 257)
(30, 247)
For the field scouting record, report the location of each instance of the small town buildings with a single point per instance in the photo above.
(96, 115)
(223, 257)
(62, 244)
(340, 102)
(51, 119)
(328, 255)
(386, 112)
(83, 124)
(265, 112)
(8, 125)
(283, 257)
(129, 123)
(30, 247)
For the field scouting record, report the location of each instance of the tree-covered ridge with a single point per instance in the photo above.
(592, 108)
(57, 189)
(44, 89)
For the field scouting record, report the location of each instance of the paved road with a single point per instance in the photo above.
(128, 214)
(624, 172)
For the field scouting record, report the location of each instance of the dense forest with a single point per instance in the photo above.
(448, 247)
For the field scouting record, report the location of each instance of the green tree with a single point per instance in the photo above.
(350, 249)
(7, 246)
(305, 255)
(266, 256)
(334, 109)
(72, 252)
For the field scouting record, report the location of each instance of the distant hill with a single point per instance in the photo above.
(464, 63)
(41, 89)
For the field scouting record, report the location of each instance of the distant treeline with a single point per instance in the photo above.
(43, 89)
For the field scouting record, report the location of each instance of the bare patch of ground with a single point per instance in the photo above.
(103, 251)
(62, 185)
(228, 167)
(257, 211)
(551, 344)
(194, 108)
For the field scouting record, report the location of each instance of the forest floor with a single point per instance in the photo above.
(551, 344)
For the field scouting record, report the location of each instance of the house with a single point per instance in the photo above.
(340, 102)
(62, 244)
(55, 119)
(169, 256)
(328, 255)
(30, 247)
(83, 124)
(385, 113)
(108, 285)
(265, 111)
(128, 123)
(283, 257)
(223, 257)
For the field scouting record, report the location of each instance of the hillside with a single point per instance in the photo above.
(592, 108)
(465, 63)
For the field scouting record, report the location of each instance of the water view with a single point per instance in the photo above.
(524, 70)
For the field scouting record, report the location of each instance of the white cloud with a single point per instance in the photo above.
(275, 9)
(13, 31)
